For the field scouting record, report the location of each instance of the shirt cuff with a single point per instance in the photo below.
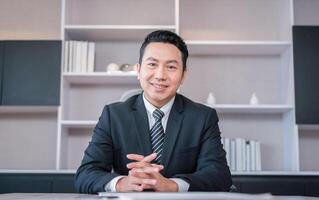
(111, 185)
(182, 185)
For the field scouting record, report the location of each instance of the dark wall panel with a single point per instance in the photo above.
(306, 66)
(312, 188)
(24, 185)
(31, 73)
(1, 67)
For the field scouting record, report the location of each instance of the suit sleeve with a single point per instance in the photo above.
(95, 170)
(212, 172)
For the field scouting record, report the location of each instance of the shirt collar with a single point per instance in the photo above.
(150, 108)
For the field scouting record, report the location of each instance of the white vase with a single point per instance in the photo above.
(253, 99)
(211, 100)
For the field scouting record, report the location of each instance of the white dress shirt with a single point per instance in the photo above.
(182, 185)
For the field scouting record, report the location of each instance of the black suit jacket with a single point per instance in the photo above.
(192, 147)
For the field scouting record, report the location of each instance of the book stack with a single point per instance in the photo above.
(242, 154)
(79, 56)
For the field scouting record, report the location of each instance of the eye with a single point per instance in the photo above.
(171, 68)
(151, 64)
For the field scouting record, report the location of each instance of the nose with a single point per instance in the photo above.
(160, 73)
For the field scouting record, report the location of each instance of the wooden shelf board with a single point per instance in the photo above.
(101, 78)
(112, 32)
(309, 127)
(210, 47)
(246, 108)
(78, 123)
(28, 109)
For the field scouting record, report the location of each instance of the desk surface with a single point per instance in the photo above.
(150, 196)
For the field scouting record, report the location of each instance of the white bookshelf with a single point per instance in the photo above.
(231, 58)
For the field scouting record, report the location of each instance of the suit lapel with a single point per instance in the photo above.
(174, 124)
(142, 125)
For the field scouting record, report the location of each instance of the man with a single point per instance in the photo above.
(157, 140)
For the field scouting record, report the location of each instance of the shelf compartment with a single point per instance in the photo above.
(234, 78)
(211, 47)
(86, 101)
(75, 135)
(308, 146)
(30, 20)
(246, 108)
(112, 32)
(120, 12)
(101, 78)
(21, 133)
(235, 20)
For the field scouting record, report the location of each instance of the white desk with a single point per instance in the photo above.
(150, 196)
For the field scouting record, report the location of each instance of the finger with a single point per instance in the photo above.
(139, 181)
(135, 157)
(149, 181)
(133, 172)
(161, 167)
(137, 165)
(138, 188)
(148, 170)
(150, 157)
(145, 186)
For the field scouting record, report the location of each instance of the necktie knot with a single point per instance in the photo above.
(158, 114)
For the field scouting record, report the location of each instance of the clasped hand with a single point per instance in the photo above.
(145, 175)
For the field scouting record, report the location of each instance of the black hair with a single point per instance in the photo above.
(165, 37)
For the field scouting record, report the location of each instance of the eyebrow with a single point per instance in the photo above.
(156, 60)
(151, 59)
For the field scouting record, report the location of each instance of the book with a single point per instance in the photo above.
(258, 156)
(253, 155)
(227, 149)
(66, 57)
(71, 52)
(232, 155)
(248, 155)
(239, 154)
(91, 56)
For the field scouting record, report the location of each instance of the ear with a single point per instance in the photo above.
(137, 68)
(184, 76)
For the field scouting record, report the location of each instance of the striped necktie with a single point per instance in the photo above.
(157, 135)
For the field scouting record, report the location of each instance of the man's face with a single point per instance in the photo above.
(161, 72)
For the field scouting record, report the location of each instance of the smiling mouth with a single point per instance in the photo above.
(159, 86)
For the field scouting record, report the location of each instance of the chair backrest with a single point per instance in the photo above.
(233, 188)
(129, 93)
